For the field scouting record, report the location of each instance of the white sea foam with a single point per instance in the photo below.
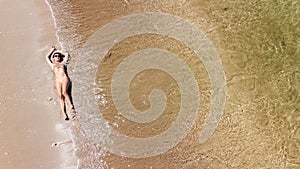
(71, 162)
(55, 24)
(60, 127)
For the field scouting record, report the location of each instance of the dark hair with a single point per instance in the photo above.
(59, 54)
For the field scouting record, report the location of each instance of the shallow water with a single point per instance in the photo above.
(257, 43)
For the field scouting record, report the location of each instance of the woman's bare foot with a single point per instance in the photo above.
(73, 113)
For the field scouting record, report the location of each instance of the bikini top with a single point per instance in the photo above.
(57, 68)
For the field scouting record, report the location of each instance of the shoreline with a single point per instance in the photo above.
(30, 118)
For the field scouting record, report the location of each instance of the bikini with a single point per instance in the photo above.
(58, 69)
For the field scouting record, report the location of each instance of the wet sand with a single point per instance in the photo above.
(28, 110)
(256, 41)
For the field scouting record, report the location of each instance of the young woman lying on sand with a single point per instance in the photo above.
(58, 62)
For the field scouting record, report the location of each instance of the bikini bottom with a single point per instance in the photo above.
(60, 80)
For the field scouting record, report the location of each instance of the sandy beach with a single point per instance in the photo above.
(29, 113)
(257, 43)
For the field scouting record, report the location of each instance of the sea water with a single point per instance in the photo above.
(250, 121)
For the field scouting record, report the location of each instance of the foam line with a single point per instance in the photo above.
(55, 24)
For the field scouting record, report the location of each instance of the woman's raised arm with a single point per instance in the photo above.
(49, 55)
(66, 58)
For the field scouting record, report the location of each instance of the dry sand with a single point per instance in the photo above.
(28, 115)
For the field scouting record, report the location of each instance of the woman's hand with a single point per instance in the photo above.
(53, 48)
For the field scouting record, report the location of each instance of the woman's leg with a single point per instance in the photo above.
(58, 87)
(65, 85)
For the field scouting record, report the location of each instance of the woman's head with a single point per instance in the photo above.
(57, 57)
